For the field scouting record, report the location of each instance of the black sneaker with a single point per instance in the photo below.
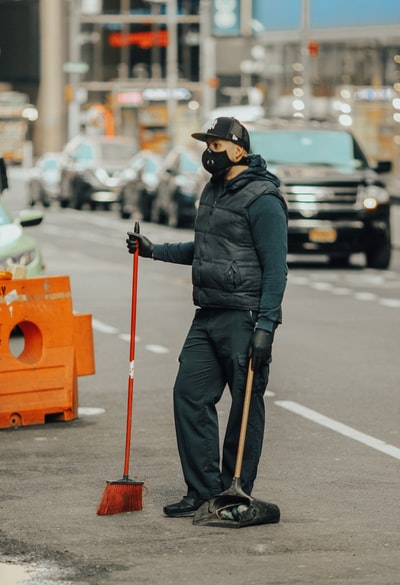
(186, 507)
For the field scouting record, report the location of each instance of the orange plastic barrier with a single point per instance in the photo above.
(38, 382)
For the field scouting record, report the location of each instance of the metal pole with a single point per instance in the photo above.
(155, 49)
(172, 68)
(207, 59)
(74, 57)
(51, 126)
(305, 38)
(123, 70)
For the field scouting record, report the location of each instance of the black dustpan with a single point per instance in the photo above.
(233, 508)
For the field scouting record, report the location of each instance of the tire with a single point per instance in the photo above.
(158, 215)
(34, 193)
(124, 213)
(64, 203)
(65, 194)
(76, 200)
(44, 199)
(147, 212)
(173, 215)
(379, 256)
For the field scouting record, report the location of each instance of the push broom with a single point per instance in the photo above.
(125, 495)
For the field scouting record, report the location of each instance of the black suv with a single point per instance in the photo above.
(337, 204)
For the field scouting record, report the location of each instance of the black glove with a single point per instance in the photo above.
(261, 348)
(135, 239)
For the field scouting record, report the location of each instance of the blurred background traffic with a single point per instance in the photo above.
(98, 99)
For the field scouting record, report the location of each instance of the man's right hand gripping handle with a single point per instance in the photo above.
(135, 239)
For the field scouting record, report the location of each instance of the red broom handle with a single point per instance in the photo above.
(131, 357)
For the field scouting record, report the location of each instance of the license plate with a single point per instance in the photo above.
(322, 235)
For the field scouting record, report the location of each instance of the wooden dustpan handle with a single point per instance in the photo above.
(245, 418)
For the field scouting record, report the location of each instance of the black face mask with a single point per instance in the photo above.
(216, 162)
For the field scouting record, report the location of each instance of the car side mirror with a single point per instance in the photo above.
(30, 217)
(3, 175)
(383, 166)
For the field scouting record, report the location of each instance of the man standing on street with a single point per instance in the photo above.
(239, 274)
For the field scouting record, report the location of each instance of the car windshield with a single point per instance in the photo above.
(50, 164)
(323, 148)
(113, 151)
(5, 218)
(150, 166)
(188, 165)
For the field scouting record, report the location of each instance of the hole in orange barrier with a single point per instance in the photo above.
(26, 342)
(15, 420)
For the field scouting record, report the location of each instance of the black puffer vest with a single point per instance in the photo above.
(226, 272)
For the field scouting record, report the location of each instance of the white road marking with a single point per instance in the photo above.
(340, 428)
(127, 337)
(103, 327)
(157, 348)
(394, 303)
(341, 291)
(110, 330)
(322, 285)
(368, 279)
(298, 279)
(365, 296)
(89, 410)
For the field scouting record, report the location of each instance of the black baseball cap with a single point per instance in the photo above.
(226, 129)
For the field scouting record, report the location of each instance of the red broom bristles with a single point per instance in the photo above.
(121, 496)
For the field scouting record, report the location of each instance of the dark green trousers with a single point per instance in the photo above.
(215, 355)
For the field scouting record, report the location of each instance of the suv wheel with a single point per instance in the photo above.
(64, 193)
(174, 219)
(77, 197)
(125, 210)
(158, 215)
(379, 255)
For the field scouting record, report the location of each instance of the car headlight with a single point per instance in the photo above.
(110, 181)
(151, 183)
(371, 196)
(92, 178)
(22, 258)
(98, 178)
(102, 176)
(129, 175)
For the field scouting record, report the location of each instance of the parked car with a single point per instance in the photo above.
(182, 178)
(3, 175)
(15, 246)
(337, 203)
(44, 184)
(140, 187)
(92, 170)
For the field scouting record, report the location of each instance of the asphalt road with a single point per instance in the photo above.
(332, 450)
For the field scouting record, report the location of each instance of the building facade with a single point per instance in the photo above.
(336, 59)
